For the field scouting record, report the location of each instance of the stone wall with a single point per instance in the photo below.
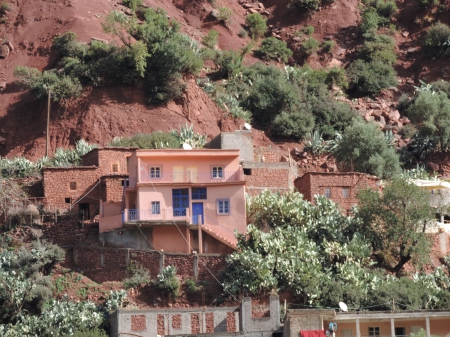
(272, 176)
(104, 158)
(109, 264)
(268, 155)
(314, 183)
(112, 188)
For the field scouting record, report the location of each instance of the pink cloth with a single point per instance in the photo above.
(312, 333)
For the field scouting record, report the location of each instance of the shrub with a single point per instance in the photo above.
(4, 8)
(407, 131)
(167, 281)
(272, 48)
(243, 33)
(441, 85)
(257, 25)
(386, 8)
(437, 39)
(403, 102)
(309, 30)
(154, 140)
(192, 287)
(370, 21)
(371, 77)
(310, 46)
(132, 4)
(224, 14)
(62, 87)
(228, 62)
(210, 40)
(140, 277)
(328, 46)
(296, 124)
(379, 48)
(96, 332)
(311, 5)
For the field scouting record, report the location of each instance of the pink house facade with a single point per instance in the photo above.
(183, 200)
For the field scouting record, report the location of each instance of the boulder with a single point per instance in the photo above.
(368, 117)
(335, 63)
(394, 116)
(377, 113)
(382, 121)
(9, 44)
(4, 51)
(2, 85)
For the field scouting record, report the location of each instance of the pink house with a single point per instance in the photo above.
(182, 200)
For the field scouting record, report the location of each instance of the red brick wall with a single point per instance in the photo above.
(314, 183)
(112, 188)
(268, 155)
(279, 179)
(106, 157)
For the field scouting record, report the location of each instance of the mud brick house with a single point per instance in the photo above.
(341, 187)
(178, 201)
(101, 176)
(365, 323)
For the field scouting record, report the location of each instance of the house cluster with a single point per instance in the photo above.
(176, 200)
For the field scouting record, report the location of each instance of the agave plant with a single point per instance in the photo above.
(186, 135)
(231, 104)
(315, 143)
(389, 137)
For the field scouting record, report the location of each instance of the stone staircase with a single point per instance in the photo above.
(91, 233)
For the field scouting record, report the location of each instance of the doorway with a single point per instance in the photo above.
(83, 210)
(197, 213)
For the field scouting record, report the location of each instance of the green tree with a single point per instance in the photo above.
(395, 221)
(364, 149)
(436, 40)
(430, 112)
(257, 25)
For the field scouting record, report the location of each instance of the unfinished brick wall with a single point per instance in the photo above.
(268, 155)
(280, 179)
(313, 183)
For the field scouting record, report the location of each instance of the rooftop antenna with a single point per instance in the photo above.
(247, 126)
(186, 146)
(343, 306)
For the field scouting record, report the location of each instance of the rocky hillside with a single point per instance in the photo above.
(99, 114)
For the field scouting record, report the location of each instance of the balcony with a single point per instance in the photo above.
(165, 216)
(191, 177)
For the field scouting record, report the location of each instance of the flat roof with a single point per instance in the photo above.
(187, 153)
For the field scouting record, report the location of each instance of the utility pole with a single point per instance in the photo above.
(49, 92)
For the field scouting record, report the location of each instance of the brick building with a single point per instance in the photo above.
(101, 176)
(341, 187)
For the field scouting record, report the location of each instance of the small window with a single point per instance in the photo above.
(223, 206)
(247, 171)
(346, 192)
(217, 172)
(156, 207)
(125, 183)
(327, 192)
(115, 168)
(155, 172)
(67, 200)
(73, 185)
(198, 193)
(374, 331)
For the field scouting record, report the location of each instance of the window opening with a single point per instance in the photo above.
(198, 193)
(217, 172)
(223, 206)
(346, 192)
(327, 192)
(156, 207)
(73, 186)
(155, 172)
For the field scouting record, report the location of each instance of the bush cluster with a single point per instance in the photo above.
(310, 5)
(155, 61)
(256, 24)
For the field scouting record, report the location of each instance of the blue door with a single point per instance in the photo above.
(180, 201)
(197, 209)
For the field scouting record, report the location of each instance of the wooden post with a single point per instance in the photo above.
(428, 326)
(392, 327)
(48, 124)
(358, 331)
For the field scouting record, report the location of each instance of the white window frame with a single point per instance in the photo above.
(155, 172)
(222, 205)
(155, 205)
(325, 190)
(217, 172)
(346, 192)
